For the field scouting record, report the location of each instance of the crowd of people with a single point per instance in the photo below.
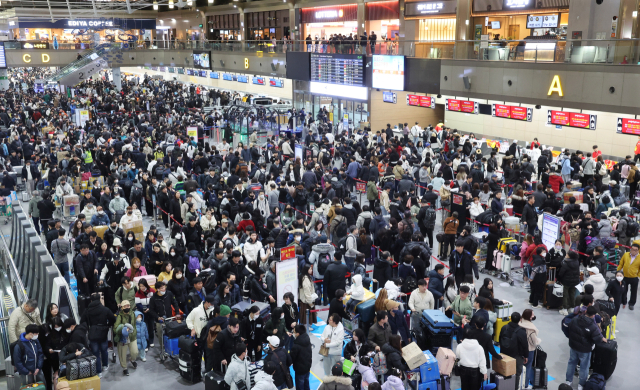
(226, 211)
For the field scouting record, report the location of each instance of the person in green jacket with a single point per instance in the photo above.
(126, 326)
(275, 325)
(462, 307)
(372, 190)
(127, 292)
(34, 212)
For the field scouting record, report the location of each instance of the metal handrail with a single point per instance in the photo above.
(19, 290)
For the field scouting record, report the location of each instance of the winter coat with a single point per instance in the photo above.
(161, 305)
(198, 318)
(302, 354)
(352, 349)
(599, 286)
(18, 321)
(583, 334)
(277, 356)
(238, 370)
(123, 319)
(316, 251)
(331, 382)
(519, 348)
(399, 325)
(393, 383)
(336, 335)
(99, 319)
(569, 273)
(224, 346)
(142, 334)
(379, 336)
(334, 276)
(356, 291)
(368, 375)
(382, 271)
(264, 381)
(275, 324)
(180, 289)
(436, 284)
(532, 334)
(394, 358)
(32, 359)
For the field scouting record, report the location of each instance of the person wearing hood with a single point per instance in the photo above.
(598, 282)
(34, 212)
(393, 353)
(473, 364)
(382, 268)
(279, 356)
(539, 269)
(335, 276)
(142, 335)
(394, 380)
(584, 333)
(356, 292)
(28, 355)
(264, 377)
(100, 319)
(200, 316)
(238, 370)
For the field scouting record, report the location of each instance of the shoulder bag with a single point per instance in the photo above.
(324, 350)
(288, 380)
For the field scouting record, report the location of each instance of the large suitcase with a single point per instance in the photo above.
(445, 382)
(188, 344)
(437, 322)
(503, 382)
(175, 329)
(446, 359)
(604, 358)
(81, 368)
(429, 371)
(432, 385)
(438, 340)
(611, 329)
(190, 366)
(239, 308)
(504, 244)
(540, 376)
(171, 345)
(549, 299)
(497, 327)
(504, 310)
(265, 310)
(213, 381)
(366, 310)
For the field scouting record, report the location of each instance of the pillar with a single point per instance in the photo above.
(243, 24)
(117, 78)
(464, 50)
(627, 23)
(293, 27)
(592, 20)
(361, 18)
(4, 80)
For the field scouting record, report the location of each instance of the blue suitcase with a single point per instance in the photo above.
(171, 346)
(429, 371)
(436, 321)
(433, 385)
(366, 310)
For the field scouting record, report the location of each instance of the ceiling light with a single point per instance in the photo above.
(634, 14)
(173, 20)
(189, 3)
(155, 5)
(186, 21)
(171, 4)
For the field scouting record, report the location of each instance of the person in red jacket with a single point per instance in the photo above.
(637, 151)
(555, 179)
(534, 143)
(596, 153)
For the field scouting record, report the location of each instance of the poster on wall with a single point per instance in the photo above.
(628, 126)
(572, 119)
(421, 101)
(466, 106)
(192, 131)
(512, 112)
(287, 279)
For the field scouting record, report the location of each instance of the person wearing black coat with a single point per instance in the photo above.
(224, 346)
(78, 333)
(461, 263)
(335, 276)
(513, 342)
(492, 244)
(569, 276)
(358, 347)
(257, 291)
(529, 215)
(278, 355)
(615, 289)
(302, 356)
(393, 352)
(251, 331)
(382, 271)
(180, 290)
(46, 208)
(476, 332)
(337, 306)
(85, 266)
(99, 319)
(164, 204)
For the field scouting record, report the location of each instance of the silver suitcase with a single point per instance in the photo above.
(25, 196)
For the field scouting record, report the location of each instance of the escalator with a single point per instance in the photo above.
(83, 68)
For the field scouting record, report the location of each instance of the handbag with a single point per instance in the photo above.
(81, 368)
(288, 380)
(324, 350)
(540, 358)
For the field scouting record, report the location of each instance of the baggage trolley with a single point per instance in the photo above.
(164, 354)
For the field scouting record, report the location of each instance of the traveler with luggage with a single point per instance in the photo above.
(472, 365)
(615, 289)
(27, 355)
(583, 334)
(99, 319)
(162, 305)
(461, 263)
(380, 332)
(335, 379)
(422, 299)
(302, 357)
(513, 343)
(223, 346)
(238, 375)
(332, 342)
(27, 314)
(533, 341)
(252, 326)
(631, 270)
(198, 317)
(569, 276)
(124, 336)
(278, 354)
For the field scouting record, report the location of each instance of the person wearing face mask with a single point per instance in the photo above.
(262, 205)
(113, 232)
(128, 217)
(532, 337)
(615, 289)
(252, 328)
(539, 269)
(77, 333)
(200, 316)
(162, 305)
(28, 356)
(252, 247)
(117, 206)
(278, 355)
(100, 319)
(126, 340)
(179, 287)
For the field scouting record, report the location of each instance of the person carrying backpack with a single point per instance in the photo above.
(197, 295)
(513, 342)
(27, 356)
(427, 219)
(193, 262)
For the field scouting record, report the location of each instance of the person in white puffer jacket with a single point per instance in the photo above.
(264, 378)
(598, 282)
(252, 248)
(238, 370)
(356, 291)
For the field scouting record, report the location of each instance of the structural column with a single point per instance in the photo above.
(361, 18)
(464, 50)
(117, 78)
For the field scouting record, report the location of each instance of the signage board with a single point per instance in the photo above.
(461, 106)
(288, 253)
(192, 131)
(572, 119)
(421, 101)
(34, 45)
(214, 75)
(389, 97)
(628, 126)
(287, 279)
(429, 8)
(550, 229)
(344, 69)
(257, 80)
(512, 112)
(276, 83)
(542, 21)
(361, 187)
(388, 72)
(345, 91)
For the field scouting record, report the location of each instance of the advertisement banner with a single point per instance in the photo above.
(361, 187)
(461, 106)
(192, 131)
(512, 112)
(288, 253)
(287, 279)
(421, 101)
(628, 126)
(572, 119)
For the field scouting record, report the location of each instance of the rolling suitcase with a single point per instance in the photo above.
(502, 382)
(25, 196)
(432, 385)
(213, 381)
(83, 303)
(540, 376)
(437, 322)
(429, 371)
(239, 308)
(170, 345)
(188, 344)
(265, 308)
(604, 358)
(445, 382)
(175, 329)
(504, 244)
(497, 328)
(190, 366)
(81, 368)
(366, 310)
(446, 359)
(551, 301)
(504, 310)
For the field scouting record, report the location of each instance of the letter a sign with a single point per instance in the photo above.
(556, 86)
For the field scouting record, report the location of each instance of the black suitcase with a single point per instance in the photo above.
(188, 344)
(420, 338)
(83, 303)
(604, 358)
(356, 380)
(174, 329)
(551, 301)
(540, 376)
(189, 360)
(213, 381)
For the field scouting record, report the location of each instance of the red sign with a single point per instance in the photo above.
(629, 126)
(288, 253)
(361, 187)
(461, 106)
(572, 119)
(512, 112)
(413, 100)
(425, 101)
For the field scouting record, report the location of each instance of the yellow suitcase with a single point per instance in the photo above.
(611, 330)
(497, 327)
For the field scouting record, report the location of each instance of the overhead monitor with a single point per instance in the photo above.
(388, 72)
(202, 59)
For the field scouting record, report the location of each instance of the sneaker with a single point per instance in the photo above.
(144, 359)
(630, 307)
(105, 368)
(151, 345)
(126, 372)
(100, 375)
(536, 306)
(135, 365)
(569, 383)
(146, 349)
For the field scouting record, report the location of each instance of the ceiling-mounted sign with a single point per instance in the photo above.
(429, 7)
(421, 101)
(517, 4)
(462, 106)
(572, 119)
(512, 112)
(628, 126)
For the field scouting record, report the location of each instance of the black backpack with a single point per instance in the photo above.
(262, 177)
(429, 221)
(136, 194)
(324, 259)
(636, 176)
(342, 245)
(410, 283)
(12, 348)
(632, 228)
(341, 229)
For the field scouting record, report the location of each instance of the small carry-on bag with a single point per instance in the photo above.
(81, 368)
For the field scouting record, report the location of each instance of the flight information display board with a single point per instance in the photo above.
(342, 69)
(572, 119)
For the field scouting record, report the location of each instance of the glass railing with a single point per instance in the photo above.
(87, 58)
(13, 292)
(538, 50)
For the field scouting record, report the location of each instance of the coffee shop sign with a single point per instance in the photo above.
(90, 23)
(434, 7)
(516, 3)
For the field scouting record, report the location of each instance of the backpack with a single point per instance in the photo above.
(342, 245)
(262, 177)
(603, 170)
(429, 221)
(136, 194)
(324, 259)
(12, 348)
(636, 176)
(565, 323)
(341, 229)
(194, 264)
(632, 228)
(410, 283)
(379, 364)
(508, 343)
(212, 335)
(366, 226)
(596, 382)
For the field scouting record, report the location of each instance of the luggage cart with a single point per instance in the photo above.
(164, 354)
(70, 207)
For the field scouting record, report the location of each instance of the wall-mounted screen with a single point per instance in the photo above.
(202, 59)
(227, 77)
(214, 75)
(388, 72)
(345, 91)
(495, 25)
(389, 97)
(257, 80)
(276, 83)
(344, 69)
(572, 119)
(542, 21)
(243, 79)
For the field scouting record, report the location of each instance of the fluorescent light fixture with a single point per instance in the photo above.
(155, 5)
(171, 4)
(634, 14)
(346, 91)
(466, 22)
(162, 27)
(189, 3)
(173, 20)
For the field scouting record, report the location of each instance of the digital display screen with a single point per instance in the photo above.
(214, 75)
(512, 112)
(276, 83)
(388, 97)
(421, 101)
(342, 69)
(190, 72)
(629, 126)
(227, 77)
(203, 73)
(461, 106)
(257, 80)
(572, 119)
(495, 25)
(542, 21)
(243, 79)
(202, 59)
(388, 72)
(180, 70)
(346, 91)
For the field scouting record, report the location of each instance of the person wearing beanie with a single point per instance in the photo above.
(336, 380)
(125, 335)
(199, 316)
